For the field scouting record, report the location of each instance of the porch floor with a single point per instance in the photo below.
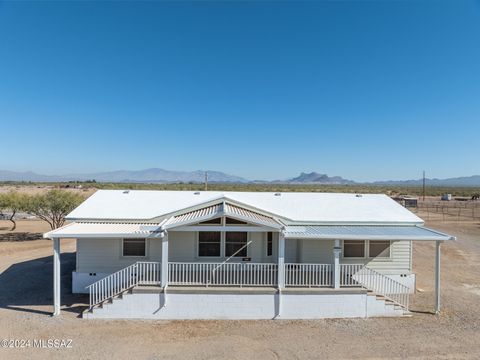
(142, 289)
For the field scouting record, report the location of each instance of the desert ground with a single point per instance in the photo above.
(26, 304)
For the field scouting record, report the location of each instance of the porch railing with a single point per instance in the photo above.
(139, 273)
(347, 272)
(363, 276)
(383, 285)
(308, 275)
(229, 274)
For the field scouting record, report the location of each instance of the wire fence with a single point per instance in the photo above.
(448, 210)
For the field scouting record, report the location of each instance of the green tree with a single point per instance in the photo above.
(53, 206)
(13, 202)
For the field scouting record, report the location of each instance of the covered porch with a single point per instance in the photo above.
(240, 272)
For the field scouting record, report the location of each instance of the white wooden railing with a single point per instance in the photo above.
(383, 285)
(347, 272)
(140, 273)
(360, 275)
(247, 274)
(228, 274)
(308, 275)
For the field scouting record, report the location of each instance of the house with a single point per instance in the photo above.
(242, 255)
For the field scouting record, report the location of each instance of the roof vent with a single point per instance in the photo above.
(277, 194)
(196, 193)
(126, 191)
(358, 195)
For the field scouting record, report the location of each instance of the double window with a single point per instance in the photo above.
(134, 247)
(210, 243)
(363, 249)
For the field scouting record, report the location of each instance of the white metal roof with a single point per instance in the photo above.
(102, 229)
(291, 208)
(221, 209)
(365, 233)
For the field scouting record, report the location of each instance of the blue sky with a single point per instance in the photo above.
(367, 90)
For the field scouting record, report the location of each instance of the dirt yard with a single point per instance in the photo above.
(26, 303)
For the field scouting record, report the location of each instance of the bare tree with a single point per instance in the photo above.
(53, 206)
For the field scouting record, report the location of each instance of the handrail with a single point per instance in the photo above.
(354, 275)
(139, 273)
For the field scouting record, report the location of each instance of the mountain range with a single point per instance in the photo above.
(157, 175)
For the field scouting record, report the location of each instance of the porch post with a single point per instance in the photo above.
(164, 273)
(56, 276)
(437, 276)
(336, 264)
(281, 260)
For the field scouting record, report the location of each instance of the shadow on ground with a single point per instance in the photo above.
(29, 284)
(20, 236)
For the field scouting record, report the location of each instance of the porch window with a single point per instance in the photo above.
(133, 247)
(269, 243)
(233, 242)
(354, 248)
(379, 249)
(209, 243)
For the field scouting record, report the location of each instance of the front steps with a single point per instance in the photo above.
(247, 303)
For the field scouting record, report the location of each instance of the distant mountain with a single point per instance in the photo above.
(6, 175)
(316, 178)
(156, 175)
(457, 181)
(153, 175)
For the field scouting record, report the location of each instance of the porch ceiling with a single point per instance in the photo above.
(344, 232)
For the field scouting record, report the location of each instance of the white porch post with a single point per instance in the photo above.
(281, 260)
(437, 276)
(164, 274)
(336, 264)
(56, 276)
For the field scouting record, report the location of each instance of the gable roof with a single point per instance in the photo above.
(222, 209)
(290, 208)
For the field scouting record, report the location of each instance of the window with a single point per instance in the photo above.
(354, 248)
(379, 249)
(269, 243)
(209, 243)
(234, 241)
(217, 221)
(133, 247)
(230, 221)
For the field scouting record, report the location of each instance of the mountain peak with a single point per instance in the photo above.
(317, 178)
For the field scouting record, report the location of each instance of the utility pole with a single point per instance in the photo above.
(206, 181)
(423, 185)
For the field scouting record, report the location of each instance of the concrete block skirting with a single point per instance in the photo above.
(265, 303)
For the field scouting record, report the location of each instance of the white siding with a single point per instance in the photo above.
(105, 255)
(316, 251)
